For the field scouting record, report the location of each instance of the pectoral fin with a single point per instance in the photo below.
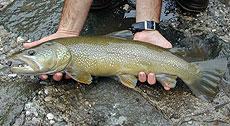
(128, 80)
(167, 80)
(80, 76)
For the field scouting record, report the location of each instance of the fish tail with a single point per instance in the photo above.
(205, 83)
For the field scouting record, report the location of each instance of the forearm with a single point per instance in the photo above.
(148, 10)
(74, 14)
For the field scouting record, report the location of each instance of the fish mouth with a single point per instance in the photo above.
(28, 66)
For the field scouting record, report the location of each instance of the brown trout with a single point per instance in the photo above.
(81, 57)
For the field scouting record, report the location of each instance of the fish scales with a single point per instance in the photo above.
(123, 55)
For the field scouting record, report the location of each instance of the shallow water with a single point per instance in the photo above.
(37, 19)
(32, 18)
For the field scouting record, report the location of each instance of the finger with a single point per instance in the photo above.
(168, 45)
(67, 77)
(43, 77)
(31, 44)
(166, 86)
(151, 78)
(142, 77)
(57, 76)
(35, 43)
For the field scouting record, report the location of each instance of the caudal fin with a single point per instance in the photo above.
(205, 86)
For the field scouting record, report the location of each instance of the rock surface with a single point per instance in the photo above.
(4, 4)
(91, 105)
(25, 100)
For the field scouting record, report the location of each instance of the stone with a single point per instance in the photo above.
(28, 113)
(52, 121)
(1, 66)
(46, 91)
(126, 7)
(190, 122)
(28, 105)
(20, 39)
(43, 83)
(213, 30)
(12, 75)
(1, 6)
(50, 116)
(48, 98)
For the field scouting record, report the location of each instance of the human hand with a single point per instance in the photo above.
(153, 37)
(59, 34)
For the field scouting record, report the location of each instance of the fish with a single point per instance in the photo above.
(87, 56)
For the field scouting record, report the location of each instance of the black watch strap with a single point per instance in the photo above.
(145, 25)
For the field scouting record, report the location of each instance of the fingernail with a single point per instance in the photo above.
(151, 78)
(57, 76)
(25, 45)
(142, 77)
(167, 88)
(43, 77)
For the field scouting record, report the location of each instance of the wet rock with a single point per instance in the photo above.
(130, 14)
(1, 6)
(28, 113)
(226, 2)
(20, 39)
(132, 3)
(47, 99)
(52, 121)
(46, 91)
(29, 40)
(213, 30)
(43, 82)
(190, 122)
(50, 116)
(28, 105)
(107, 102)
(1, 66)
(98, 106)
(5, 3)
(19, 121)
(126, 7)
(12, 75)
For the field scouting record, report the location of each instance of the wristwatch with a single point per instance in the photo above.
(145, 25)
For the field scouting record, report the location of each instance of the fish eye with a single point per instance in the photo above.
(31, 52)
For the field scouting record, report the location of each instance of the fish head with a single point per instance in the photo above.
(46, 58)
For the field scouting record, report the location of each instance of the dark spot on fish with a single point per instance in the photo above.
(137, 99)
(31, 52)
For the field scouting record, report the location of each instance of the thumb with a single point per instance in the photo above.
(31, 44)
(38, 42)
